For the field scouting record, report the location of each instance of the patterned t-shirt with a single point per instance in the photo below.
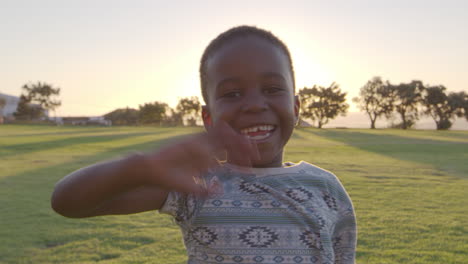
(293, 214)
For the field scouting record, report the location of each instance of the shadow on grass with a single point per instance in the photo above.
(58, 133)
(19, 149)
(297, 135)
(28, 220)
(444, 155)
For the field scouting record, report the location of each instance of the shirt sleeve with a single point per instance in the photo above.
(344, 235)
(180, 206)
(170, 205)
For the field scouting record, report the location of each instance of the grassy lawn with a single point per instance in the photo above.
(409, 188)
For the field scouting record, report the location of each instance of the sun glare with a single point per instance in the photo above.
(310, 72)
(308, 68)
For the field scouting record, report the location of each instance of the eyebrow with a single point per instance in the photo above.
(273, 75)
(263, 76)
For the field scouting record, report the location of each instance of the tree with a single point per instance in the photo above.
(175, 118)
(123, 117)
(2, 105)
(460, 102)
(406, 99)
(35, 99)
(376, 99)
(189, 108)
(27, 111)
(153, 113)
(42, 94)
(322, 104)
(440, 106)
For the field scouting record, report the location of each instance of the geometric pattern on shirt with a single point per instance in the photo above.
(299, 194)
(252, 188)
(258, 236)
(226, 203)
(204, 236)
(330, 201)
(292, 217)
(311, 239)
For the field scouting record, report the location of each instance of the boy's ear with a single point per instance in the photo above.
(297, 106)
(206, 116)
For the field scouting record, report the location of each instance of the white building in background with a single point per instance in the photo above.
(10, 106)
(82, 120)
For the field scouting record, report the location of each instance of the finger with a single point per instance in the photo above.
(254, 152)
(238, 149)
(201, 156)
(237, 146)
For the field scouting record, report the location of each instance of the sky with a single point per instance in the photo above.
(108, 54)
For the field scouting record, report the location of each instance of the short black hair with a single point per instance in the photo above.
(232, 34)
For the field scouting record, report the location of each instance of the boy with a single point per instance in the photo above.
(253, 208)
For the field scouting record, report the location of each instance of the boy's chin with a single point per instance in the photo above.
(269, 158)
(268, 162)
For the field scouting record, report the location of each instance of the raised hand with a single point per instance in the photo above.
(141, 182)
(181, 165)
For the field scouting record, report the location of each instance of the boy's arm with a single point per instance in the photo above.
(141, 182)
(114, 187)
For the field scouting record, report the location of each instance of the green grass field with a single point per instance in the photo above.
(409, 188)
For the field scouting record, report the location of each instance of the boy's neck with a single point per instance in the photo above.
(276, 163)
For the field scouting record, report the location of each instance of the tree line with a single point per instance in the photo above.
(377, 98)
(186, 112)
(406, 101)
(38, 98)
(409, 101)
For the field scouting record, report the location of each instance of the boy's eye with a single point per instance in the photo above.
(232, 94)
(272, 89)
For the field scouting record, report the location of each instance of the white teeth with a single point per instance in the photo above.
(252, 129)
(259, 137)
(257, 128)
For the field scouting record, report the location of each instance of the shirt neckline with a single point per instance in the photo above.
(287, 168)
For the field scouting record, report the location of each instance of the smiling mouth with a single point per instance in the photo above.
(258, 132)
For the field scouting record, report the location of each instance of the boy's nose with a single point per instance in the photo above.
(254, 102)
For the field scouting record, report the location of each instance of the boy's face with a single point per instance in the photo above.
(250, 87)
